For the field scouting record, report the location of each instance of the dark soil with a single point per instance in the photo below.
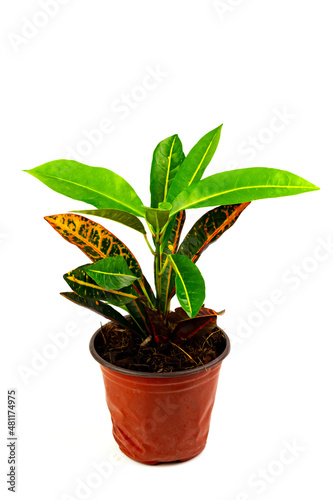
(120, 347)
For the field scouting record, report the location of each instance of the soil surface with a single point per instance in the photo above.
(120, 347)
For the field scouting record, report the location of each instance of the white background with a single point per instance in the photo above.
(241, 63)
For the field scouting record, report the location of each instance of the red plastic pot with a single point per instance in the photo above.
(160, 417)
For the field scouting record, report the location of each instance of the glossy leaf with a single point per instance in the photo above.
(209, 228)
(203, 324)
(157, 217)
(240, 186)
(81, 283)
(98, 186)
(97, 243)
(111, 273)
(99, 307)
(168, 277)
(116, 215)
(93, 239)
(190, 285)
(195, 163)
(167, 157)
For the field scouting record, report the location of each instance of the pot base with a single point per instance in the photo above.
(185, 458)
(161, 463)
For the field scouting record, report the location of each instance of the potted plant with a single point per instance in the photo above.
(160, 367)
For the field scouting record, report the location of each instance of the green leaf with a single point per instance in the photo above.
(208, 229)
(157, 217)
(111, 273)
(195, 163)
(190, 285)
(117, 215)
(86, 287)
(98, 186)
(167, 157)
(168, 277)
(241, 186)
(100, 308)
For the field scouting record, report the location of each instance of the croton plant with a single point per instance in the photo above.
(115, 277)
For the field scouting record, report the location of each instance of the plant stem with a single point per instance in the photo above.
(146, 294)
(164, 229)
(137, 324)
(163, 267)
(158, 267)
(149, 245)
(151, 229)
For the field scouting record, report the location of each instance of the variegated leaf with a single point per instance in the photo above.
(99, 307)
(209, 228)
(97, 243)
(93, 239)
(186, 328)
(87, 288)
(156, 326)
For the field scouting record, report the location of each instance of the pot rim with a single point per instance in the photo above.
(135, 373)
